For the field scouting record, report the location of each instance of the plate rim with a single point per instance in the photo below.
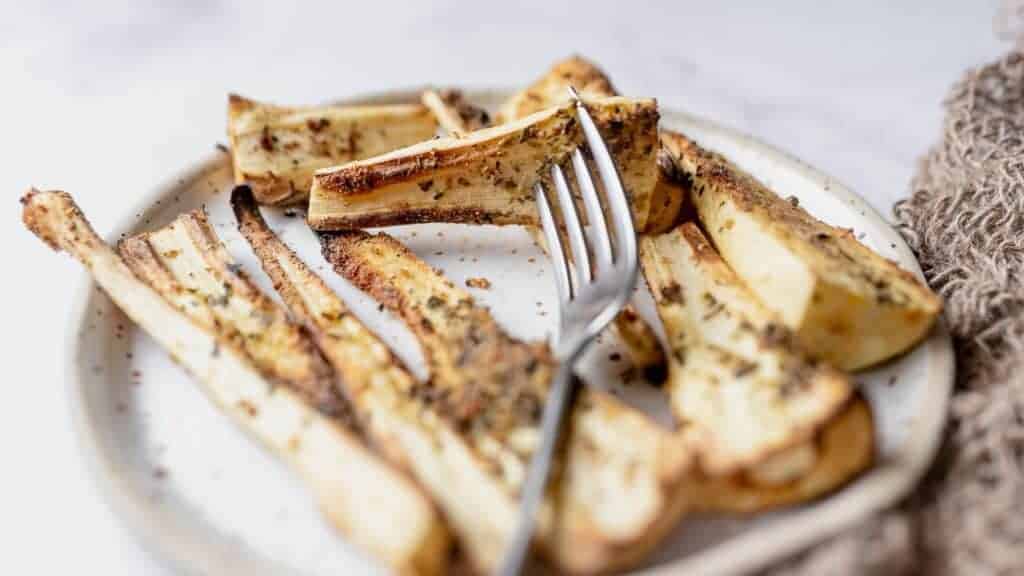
(188, 552)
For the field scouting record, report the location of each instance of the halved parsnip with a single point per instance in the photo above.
(396, 409)
(276, 149)
(620, 487)
(358, 492)
(551, 89)
(843, 449)
(455, 115)
(738, 382)
(846, 304)
(487, 176)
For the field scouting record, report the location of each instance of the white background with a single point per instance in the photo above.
(105, 99)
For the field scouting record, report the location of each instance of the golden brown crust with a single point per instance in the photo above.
(645, 351)
(56, 220)
(491, 379)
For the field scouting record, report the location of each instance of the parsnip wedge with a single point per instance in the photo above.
(455, 115)
(276, 149)
(487, 176)
(842, 450)
(620, 487)
(738, 382)
(846, 304)
(358, 492)
(551, 89)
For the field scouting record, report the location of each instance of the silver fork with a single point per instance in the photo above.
(603, 276)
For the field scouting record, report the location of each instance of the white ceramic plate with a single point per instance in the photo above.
(207, 500)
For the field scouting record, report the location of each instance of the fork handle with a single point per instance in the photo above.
(561, 396)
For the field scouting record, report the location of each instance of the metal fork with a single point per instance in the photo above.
(602, 278)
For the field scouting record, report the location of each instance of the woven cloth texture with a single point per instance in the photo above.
(965, 221)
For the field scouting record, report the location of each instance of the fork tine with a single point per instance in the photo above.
(618, 205)
(547, 220)
(573, 228)
(602, 243)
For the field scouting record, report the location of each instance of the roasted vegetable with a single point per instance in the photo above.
(276, 149)
(737, 378)
(486, 176)
(846, 304)
(620, 486)
(551, 89)
(455, 115)
(280, 393)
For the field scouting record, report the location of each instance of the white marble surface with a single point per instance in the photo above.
(104, 99)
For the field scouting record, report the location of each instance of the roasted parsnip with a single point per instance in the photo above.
(738, 381)
(397, 410)
(846, 304)
(843, 449)
(620, 487)
(487, 176)
(455, 115)
(276, 149)
(288, 405)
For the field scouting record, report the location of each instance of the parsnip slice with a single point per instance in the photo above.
(737, 380)
(843, 449)
(620, 487)
(487, 176)
(846, 304)
(455, 115)
(276, 149)
(357, 492)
